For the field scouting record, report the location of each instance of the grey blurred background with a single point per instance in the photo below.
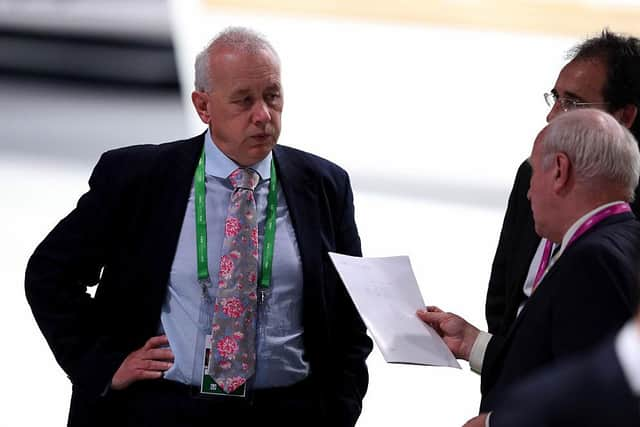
(77, 77)
(109, 65)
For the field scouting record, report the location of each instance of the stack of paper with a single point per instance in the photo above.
(386, 294)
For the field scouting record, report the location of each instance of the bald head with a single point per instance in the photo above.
(232, 40)
(600, 149)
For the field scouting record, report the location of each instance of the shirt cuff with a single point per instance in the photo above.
(479, 348)
(627, 348)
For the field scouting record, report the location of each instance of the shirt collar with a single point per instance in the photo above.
(219, 165)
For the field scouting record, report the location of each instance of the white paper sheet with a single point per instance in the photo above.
(386, 294)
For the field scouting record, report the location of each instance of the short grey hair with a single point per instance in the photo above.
(239, 39)
(600, 149)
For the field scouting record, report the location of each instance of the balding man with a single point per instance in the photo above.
(217, 303)
(585, 167)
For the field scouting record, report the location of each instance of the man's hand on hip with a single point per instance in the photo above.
(146, 363)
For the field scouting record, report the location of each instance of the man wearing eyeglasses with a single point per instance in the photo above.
(603, 73)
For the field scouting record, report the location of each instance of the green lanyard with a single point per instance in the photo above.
(201, 230)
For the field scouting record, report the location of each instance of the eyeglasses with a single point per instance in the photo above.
(567, 103)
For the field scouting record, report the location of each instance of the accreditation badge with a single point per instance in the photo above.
(208, 386)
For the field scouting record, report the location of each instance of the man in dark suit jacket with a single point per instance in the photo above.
(601, 388)
(585, 166)
(121, 348)
(604, 73)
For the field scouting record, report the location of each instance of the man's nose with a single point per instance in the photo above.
(260, 113)
(555, 110)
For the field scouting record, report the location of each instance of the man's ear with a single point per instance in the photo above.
(562, 173)
(200, 102)
(627, 115)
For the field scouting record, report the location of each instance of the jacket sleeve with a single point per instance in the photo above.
(352, 380)
(69, 260)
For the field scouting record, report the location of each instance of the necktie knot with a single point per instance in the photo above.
(244, 178)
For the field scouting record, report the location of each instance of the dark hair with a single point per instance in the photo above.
(621, 55)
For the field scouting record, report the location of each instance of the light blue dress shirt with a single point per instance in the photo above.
(186, 317)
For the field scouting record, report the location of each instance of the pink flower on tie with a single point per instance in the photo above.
(225, 364)
(234, 177)
(232, 227)
(226, 266)
(254, 235)
(252, 296)
(238, 335)
(215, 328)
(232, 307)
(230, 384)
(253, 277)
(245, 366)
(227, 348)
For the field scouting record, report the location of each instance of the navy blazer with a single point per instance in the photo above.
(587, 294)
(123, 236)
(516, 247)
(587, 391)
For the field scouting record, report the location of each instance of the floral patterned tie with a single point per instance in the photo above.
(233, 354)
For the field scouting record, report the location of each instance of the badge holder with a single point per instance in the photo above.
(208, 386)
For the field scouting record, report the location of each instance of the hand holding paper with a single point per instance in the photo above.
(386, 294)
(457, 333)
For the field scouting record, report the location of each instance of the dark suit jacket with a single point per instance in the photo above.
(585, 391)
(588, 293)
(123, 235)
(516, 248)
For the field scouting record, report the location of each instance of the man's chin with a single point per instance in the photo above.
(539, 231)
(259, 152)
(262, 148)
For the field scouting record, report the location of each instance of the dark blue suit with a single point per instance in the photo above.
(516, 248)
(586, 391)
(589, 293)
(123, 235)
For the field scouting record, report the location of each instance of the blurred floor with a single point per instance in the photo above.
(51, 135)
